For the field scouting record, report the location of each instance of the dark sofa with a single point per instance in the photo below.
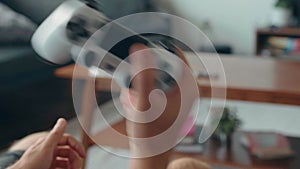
(31, 97)
(19, 64)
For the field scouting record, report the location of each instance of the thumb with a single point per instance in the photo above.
(56, 133)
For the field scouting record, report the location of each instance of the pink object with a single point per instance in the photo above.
(188, 128)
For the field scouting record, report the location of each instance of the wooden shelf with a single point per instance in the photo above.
(263, 34)
(290, 32)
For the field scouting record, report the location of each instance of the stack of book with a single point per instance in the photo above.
(283, 46)
(267, 145)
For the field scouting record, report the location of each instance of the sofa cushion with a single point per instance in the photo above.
(20, 66)
(14, 28)
(37, 11)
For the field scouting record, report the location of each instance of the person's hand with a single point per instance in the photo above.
(136, 100)
(56, 150)
(142, 103)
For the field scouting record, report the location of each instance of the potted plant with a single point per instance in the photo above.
(282, 13)
(227, 125)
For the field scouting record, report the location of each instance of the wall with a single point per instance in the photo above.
(234, 21)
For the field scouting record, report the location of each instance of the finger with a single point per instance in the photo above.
(128, 97)
(73, 143)
(124, 96)
(56, 133)
(144, 82)
(124, 99)
(61, 163)
(66, 152)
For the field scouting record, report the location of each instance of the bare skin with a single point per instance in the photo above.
(51, 150)
(27, 141)
(187, 163)
(137, 98)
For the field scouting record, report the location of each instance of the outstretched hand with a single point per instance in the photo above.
(56, 150)
(143, 102)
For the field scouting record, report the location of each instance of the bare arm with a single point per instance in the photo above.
(154, 153)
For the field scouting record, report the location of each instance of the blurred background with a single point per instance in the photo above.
(32, 97)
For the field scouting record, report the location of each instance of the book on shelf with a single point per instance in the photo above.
(267, 145)
(283, 46)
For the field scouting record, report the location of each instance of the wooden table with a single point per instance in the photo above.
(249, 79)
(214, 153)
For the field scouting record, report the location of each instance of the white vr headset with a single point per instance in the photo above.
(63, 35)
